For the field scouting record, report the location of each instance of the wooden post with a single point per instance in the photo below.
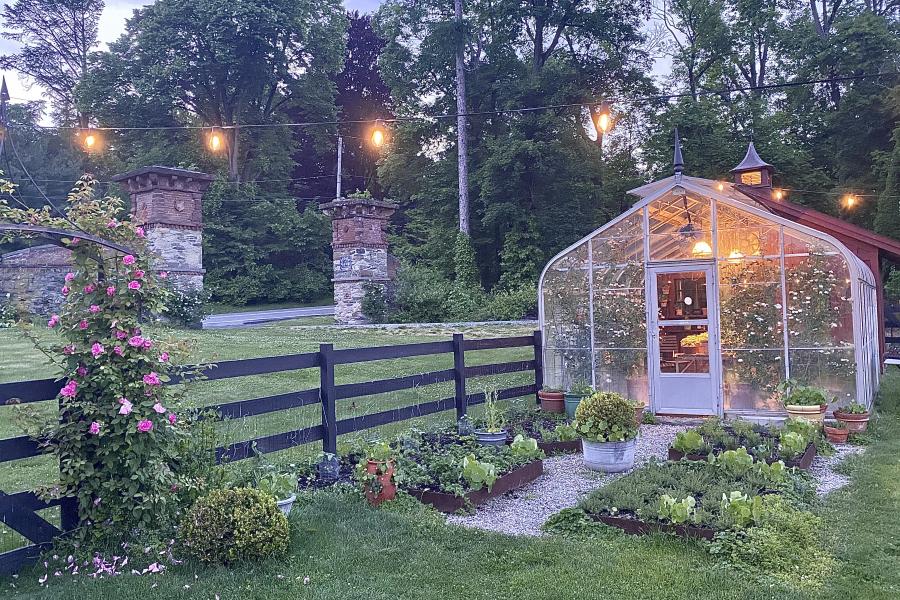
(68, 507)
(538, 362)
(459, 374)
(326, 393)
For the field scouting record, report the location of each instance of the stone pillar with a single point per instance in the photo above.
(359, 241)
(167, 203)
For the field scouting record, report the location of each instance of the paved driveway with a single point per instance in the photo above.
(260, 317)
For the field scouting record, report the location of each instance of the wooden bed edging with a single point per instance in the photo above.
(450, 503)
(803, 463)
(638, 527)
(568, 447)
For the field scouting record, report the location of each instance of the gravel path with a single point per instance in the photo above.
(564, 482)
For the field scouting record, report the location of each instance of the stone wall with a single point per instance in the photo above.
(33, 278)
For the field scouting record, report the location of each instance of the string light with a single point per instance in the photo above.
(215, 141)
(850, 201)
(378, 134)
(603, 120)
(778, 194)
(90, 139)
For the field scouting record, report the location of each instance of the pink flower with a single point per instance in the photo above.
(70, 277)
(75, 241)
(144, 425)
(111, 291)
(136, 341)
(89, 288)
(82, 324)
(134, 285)
(65, 290)
(138, 274)
(148, 344)
(70, 349)
(94, 308)
(164, 357)
(95, 428)
(112, 223)
(163, 274)
(126, 406)
(139, 231)
(152, 379)
(53, 322)
(97, 349)
(82, 371)
(159, 408)
(121, 335)
(128, 259)
(69, 389)
(172, 418)
(118, 351)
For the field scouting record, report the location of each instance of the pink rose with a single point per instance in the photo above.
(121, 335)
(148, 344)
(118, 351)
(111, 291)
(144, 425)
(134, 285)
(82, 371)
(138, 274)
(65, 290)
(159, 408)
(128, 259)
(94, 309)
(89, 288)
(163, 274)
(82, 324)
(152, 379)
(126, 406)
(112, 223)
(70, 277)
(70, 349)
(69, 389)
(53, 322)
(172, 418)
(97, 349)
(136, 341)
(75, 241)
(164, 357)
(94, 428)
(139, 231)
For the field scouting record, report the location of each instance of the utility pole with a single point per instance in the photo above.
(462, 145)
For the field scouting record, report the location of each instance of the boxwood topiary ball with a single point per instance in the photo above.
(232, 525)
(605, 416)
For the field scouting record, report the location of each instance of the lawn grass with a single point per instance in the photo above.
(220, 309)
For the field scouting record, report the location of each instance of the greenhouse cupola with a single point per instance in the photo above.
(753, 170)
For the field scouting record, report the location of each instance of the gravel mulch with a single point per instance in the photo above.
(564, 482)
(822, 468)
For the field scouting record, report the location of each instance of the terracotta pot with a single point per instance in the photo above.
(813, 414)
(836, 435)
(855, 423)
(386, 479)
(554, 402)
(639, 414)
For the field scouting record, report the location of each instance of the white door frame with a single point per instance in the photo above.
(708, 267)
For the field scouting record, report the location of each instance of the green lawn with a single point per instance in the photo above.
(218, 309)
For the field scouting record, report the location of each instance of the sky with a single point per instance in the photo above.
(112, 24)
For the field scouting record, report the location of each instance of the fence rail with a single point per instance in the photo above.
(18, 510)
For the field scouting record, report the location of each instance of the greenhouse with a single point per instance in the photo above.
(700, 300)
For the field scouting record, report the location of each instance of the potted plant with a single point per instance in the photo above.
(854, 415)
(696, 344)
(803, 402)
(282, 487)
(377, 474)
(605, 422)
(552, 399)
(492, 433)
(837, 432)
(574, 397)
(639, 408)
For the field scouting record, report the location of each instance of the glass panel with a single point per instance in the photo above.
(680, 227)
(750, 304)
(681, 295)
(564, 368)
(683, 349)
(750, 378)
(623, 371)
(742, 235)
(833, 370)
(566, 320)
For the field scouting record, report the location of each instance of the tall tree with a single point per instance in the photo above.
(699, 38)
(56, 38)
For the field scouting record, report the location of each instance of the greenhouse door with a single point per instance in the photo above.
(683, 339)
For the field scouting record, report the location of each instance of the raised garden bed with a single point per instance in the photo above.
(567, 447)
(546, 429)
(450, 503)
(634, 526)
(803, 462)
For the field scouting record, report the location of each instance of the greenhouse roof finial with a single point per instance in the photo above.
(679, 161)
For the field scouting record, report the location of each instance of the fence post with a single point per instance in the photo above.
(538, 362)
(459, 374)
(68, 507)
(326, 394)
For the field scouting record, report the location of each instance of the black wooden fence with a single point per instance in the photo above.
(18, 510)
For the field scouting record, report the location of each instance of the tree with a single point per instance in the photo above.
(700, 38)
(887, 218)
(56, 37)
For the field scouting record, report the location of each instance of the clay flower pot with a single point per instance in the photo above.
(639, 414)
(554, 402)
(836, 435)
(856, 423)
(813, 414)
(385, 480)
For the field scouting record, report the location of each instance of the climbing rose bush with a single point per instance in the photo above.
(118, 432)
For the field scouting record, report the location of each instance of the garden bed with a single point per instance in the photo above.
(803, 462)
(567, 447)
(450, 503)
(632, 525)
(552, 431)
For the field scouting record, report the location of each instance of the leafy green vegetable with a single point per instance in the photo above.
(688, 442)
(478, 474)
(677, 511)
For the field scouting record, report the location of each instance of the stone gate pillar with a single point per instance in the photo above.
(359, 241)
(167, 203)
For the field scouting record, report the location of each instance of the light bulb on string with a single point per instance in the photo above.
(90, 139)
(850, 201)
(378, 135)
(215, 140)
(603, 120)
